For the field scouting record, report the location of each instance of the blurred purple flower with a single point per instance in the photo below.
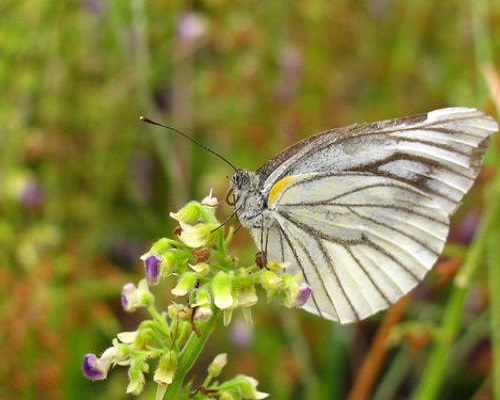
(378, 8)
(465, 230)
(241, 333)
(290, 62)
(142, 170)
(123, 250)
(32, 194)
(191, 26)
(95, 7)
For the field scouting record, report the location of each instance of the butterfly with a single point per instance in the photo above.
(364, 211)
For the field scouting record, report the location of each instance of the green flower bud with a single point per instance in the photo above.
(145, 337)
(122, 352)
(216, 366)
(189, 214)
(162, 246)
(247, 387)
(202, 297)
(245, 289)
(185, 284)
(145, 296)
(167, 366)
(197, 223)
(291, 287)
(127, 337)
(136, 376)
(202, 268)
(170, 260)
(222, 290)
(136, 386)
(226, 396)
(198, 235)
(269, 280)
(247, 296)
(276, 266)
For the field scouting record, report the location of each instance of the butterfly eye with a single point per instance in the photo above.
(230, 197)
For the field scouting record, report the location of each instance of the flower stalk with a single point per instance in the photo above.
(209, 283)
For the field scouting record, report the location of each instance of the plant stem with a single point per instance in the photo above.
(434, 374)
(494, 284)
(302, 354)
(189, 354)
(377, 354)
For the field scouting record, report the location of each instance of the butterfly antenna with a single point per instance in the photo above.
(150, 121)
(224, 222)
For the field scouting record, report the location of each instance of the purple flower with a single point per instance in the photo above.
(303, 295)
(91, 368)
(129, 296)
(134, 297)
(96, 368)
(152, 264)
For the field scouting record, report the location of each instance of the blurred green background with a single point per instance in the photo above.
(85, 187)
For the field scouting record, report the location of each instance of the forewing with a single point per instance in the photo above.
(439, 152)
(361, 241)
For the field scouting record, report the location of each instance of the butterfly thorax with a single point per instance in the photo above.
(248, 199)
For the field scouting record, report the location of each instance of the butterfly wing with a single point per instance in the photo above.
(364, 211)
(361, 240)
(439, 152)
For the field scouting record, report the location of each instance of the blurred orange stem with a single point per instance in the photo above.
(374, 360)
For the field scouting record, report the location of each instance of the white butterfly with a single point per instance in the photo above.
(364, 211)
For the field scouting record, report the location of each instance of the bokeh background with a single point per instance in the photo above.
(85, 187)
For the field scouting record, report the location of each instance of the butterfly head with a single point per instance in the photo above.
(246, 196)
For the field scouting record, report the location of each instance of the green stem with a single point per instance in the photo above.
(494, 284)
(301, 352)
(160, 320)
(189, 355)
(434, 374)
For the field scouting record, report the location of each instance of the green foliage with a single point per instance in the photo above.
(86, 187)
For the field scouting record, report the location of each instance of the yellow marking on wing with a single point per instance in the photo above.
(278, 188)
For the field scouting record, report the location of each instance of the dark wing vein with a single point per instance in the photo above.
(306, 277)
